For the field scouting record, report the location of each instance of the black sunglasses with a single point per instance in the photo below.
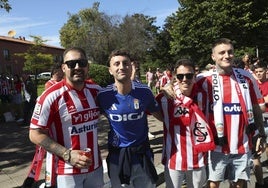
(72, 63)
(187, 75)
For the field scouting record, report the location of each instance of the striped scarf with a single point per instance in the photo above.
(191, 115)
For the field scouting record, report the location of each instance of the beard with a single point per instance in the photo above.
(78, 77)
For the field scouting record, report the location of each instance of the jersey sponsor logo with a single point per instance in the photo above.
(180, 111)
(126, 117)
(85, 116)
(82, 129)
(232, 108)
(37, 109)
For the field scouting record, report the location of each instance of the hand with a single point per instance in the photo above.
(259, 143)
(169, 91)
(79, 160)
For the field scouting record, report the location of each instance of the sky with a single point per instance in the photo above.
(46, 17)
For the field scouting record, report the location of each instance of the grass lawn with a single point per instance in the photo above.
(40, 89)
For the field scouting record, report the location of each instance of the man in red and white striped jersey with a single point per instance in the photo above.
(231, 100)
(166, 78)
(56, 75)
(69, 111)
(187, 136)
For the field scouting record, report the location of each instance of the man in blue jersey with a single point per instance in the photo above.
(126, 104)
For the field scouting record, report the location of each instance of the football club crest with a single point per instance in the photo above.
(136, 104)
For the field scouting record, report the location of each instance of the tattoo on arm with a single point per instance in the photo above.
(52, 146)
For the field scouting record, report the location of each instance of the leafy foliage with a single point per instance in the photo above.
(159, 55)
(197, 23)
(99, 34)
(187, 33)
(4, 4)
(100, 74)
(34, 57)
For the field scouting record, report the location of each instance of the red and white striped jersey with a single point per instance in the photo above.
(165, 79)
(50, 83)
(264, 90)
(72, 118)
(234, 121)
(178, 150)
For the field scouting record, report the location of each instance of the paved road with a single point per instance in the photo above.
(16, 152)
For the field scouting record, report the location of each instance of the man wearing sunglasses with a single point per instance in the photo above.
(68, 110)
(187, 136)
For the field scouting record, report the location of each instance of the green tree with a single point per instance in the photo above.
(35, 58)
(138, 34)
(90, 30)
(160, 55)
(99, 33)
(100, 74)
(197, 23)
(4, 4)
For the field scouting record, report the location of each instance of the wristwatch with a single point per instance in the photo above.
(67, 155)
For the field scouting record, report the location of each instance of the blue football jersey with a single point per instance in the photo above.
(127, 114)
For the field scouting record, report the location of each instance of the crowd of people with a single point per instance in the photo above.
(18, 95)
(213, 122)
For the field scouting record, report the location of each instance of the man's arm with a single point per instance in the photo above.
(257, 112)
(40, 137)
(261, 144)
(76, 157)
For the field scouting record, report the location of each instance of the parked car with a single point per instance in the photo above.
(32, 76)
(44, 76)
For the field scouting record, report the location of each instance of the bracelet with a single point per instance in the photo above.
(67, 155)
(69, 161)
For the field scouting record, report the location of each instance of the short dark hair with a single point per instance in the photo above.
(120, 52)
(184, 62)
(221, 41)
(55, 68)
(261, 64)
(78, 49)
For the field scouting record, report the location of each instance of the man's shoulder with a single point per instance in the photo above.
(203, 75)
(265, 82)
(54, 90)
(141, 87)
(92, 85)
(107, 89)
